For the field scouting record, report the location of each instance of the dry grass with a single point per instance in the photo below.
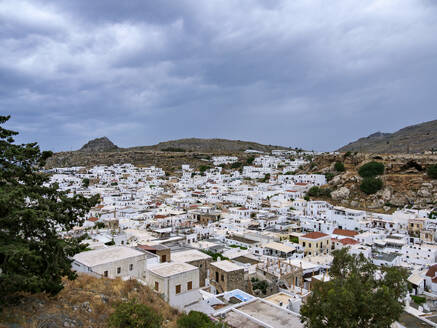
(87, 300)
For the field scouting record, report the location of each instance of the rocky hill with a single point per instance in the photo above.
(417, 138)
(98, 145)
(214, 145)
(84, 302)
(168, 155)
(405, 182)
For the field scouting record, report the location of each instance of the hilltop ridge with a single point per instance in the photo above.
(167, 154)
(416, 138)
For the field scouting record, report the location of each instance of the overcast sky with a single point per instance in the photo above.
(315, 74)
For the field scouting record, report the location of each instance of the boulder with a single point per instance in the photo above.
(341, 193)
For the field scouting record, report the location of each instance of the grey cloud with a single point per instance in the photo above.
(298, 73)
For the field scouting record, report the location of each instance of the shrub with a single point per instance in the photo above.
(432, 171)
(236, 165)
(371, 169)
(329, 176)
(266, 178)
(319, 192)
(347, 154)
(260, 285)
(250, 160)
(196, 319)
(418, 299)
(371, 185)
(134, 315)
(313, 192)
(339, 167)
(203, 168)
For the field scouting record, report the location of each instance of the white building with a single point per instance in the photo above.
(177, 282)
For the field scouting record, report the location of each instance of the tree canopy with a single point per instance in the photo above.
(134, 315)
(371, 169)
(339, 167)
(33, 213)
(371, 185)
(432, 171)
(358, 295)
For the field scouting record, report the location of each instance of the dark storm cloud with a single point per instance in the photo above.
(312, 73)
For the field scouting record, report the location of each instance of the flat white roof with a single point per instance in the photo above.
(280, 247)
(305, 264)
(106, 255)
(189, 255)
(226, 266)
(171, 269)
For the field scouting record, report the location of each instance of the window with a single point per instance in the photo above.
(131, 267)
(118, 270)
(223, 277)
(309, 244)
(164, 258)
(105, 274)
(189, 285)
(156, 285)
(178, 289)
(216, 276)
(303, 244)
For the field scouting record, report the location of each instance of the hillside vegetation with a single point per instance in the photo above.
(168, 155)
(84, 302)
(411, 139)
(401, 180)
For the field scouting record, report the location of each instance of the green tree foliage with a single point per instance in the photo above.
(266, 178)
(371, 169)
(358, 295)
(329, 176)
(86, 182)
(134, 315)
(196, 319)
(250, 160)
(236, 165)
(214, 255)
(33, 257)
(260, 285)
(432, 171)
(203, 168)
(371, 185)
(339, 167)
(319, 192)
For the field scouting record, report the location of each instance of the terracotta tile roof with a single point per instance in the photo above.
(93, 219)
(315, 235)
(347, 233)
(300, 184)
(160, 216)
(348, 241)
(432, 271)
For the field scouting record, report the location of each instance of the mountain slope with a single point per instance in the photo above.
(214, 145)
(411, 139)
(169, 154)
(98, 144)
